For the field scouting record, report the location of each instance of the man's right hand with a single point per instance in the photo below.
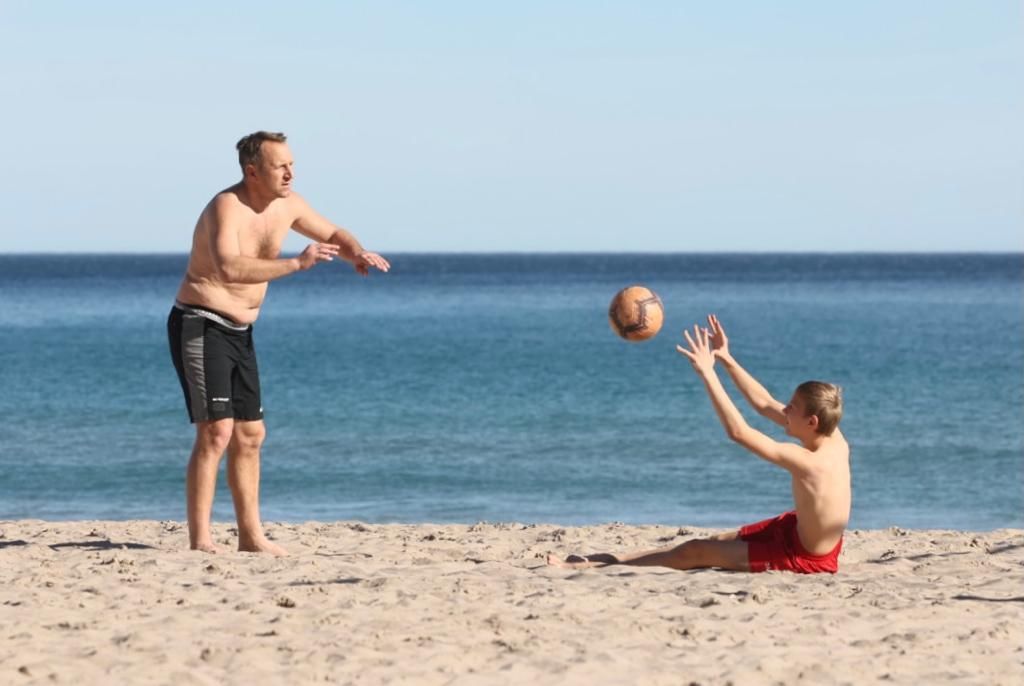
(717, 338)
(317, 252)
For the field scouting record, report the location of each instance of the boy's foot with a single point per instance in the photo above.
(582, 561)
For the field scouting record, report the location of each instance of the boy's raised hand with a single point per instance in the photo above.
(699, 354)
(719, 341)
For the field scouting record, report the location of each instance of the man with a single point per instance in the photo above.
(807, 540)
(235, 250)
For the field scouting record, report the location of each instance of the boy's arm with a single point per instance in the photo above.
(756, 394)
(791, 457)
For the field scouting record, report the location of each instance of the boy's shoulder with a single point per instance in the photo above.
(830, 451)
(840, 441)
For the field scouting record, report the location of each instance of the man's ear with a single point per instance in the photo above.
(250, 171)
(812, 422)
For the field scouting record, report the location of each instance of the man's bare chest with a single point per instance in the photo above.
(263, 236)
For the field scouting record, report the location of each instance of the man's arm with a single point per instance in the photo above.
(233, 267)
(312, 225)
(756, 394)
(791, 457)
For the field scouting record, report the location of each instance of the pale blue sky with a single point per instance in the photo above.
(529, 126)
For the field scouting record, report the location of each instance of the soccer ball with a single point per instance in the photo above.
(636, 313)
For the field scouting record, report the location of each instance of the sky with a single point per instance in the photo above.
(523, 127)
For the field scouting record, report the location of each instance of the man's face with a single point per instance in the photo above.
(274, 170)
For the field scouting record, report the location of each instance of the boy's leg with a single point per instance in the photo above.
(733, 535)
(725, 551)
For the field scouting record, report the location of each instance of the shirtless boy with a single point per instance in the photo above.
(806, 540)
(235, 254)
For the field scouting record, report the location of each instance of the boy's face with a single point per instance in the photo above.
(797, 422)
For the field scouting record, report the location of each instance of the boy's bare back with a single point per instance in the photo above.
(821, 495)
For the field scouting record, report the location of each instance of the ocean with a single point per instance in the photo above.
(465, 388)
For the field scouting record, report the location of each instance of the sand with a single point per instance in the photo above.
(126, 603)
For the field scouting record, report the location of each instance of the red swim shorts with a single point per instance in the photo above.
(774, 544)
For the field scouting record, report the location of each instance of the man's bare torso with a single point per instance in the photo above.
(822, 497)
(260, 234)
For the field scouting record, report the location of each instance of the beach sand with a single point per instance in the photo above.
(126, 603)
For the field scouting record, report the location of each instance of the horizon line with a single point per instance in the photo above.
(497, 253)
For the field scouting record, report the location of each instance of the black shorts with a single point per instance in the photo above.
(216, 364)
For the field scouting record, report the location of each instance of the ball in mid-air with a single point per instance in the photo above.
(636, 313)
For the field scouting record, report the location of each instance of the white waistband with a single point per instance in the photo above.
(212, 316)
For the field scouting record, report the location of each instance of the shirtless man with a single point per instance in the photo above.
(807, 540)
(235, 254)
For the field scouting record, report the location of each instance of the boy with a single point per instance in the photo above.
(806, 540)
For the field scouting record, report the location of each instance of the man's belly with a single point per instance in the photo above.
(239, 303)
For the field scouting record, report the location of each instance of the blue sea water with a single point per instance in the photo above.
(461, 388)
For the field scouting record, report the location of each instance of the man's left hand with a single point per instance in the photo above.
(364, 260)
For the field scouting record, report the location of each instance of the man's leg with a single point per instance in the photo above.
(724, 551)
(212, 439)
(244, 480)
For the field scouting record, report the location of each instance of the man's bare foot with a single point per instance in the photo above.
(262, 546)
(582, 562)
(206, 547)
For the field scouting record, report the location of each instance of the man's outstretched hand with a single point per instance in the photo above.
(700, 353)
(316, 253)
(364, 260)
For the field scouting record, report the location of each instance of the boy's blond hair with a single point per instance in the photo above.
(824, 401)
